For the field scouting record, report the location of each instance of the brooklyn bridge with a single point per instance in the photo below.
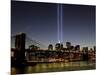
(29, 52)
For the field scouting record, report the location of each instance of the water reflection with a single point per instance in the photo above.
(51, 67)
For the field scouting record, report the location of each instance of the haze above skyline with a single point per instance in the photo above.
(39, 21)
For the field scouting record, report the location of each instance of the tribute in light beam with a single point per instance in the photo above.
(60, 23)
(61, 15)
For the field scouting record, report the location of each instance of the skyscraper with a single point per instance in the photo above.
(50, 47)
(77, 47)
(61, 46)
(85, 50)
(68, 44)
(57, 46)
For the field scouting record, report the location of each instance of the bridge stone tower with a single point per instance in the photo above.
(20, 47)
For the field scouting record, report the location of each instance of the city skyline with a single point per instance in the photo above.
(78, 22)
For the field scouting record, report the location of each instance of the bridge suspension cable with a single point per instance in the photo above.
(28, 42)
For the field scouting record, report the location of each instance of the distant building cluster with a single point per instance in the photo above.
(69, 47)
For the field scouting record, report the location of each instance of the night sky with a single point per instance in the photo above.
(39, 22)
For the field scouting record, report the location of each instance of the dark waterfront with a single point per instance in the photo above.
(54, 67)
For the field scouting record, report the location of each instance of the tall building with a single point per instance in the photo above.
(57, 46)
(50, 47)
(94, 49)
(85, 54)
(72, 48)
(61, 45)
(68, 44)
(85, 50)
(77, 47)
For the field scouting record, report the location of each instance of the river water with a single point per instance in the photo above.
(54, 67)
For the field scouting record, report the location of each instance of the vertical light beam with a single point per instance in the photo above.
(60, 23)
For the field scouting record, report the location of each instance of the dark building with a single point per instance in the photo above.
(68, 44)
(85, 50)
(77, 48)
(72, 48)
(50, 47)
(61, 46)
(58, 46)
(91, 50)
(85, 54)
(94, 49)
